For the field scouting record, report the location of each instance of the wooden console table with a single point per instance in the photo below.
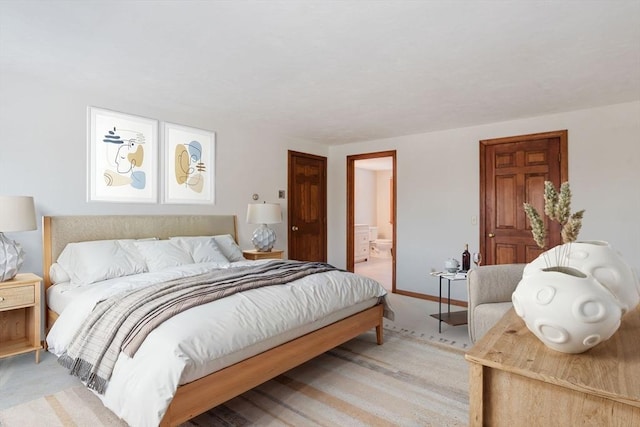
(516, 380)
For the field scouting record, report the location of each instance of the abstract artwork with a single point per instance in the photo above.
(122, 151)
(189, 161)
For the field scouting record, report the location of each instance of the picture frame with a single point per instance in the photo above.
(122, 151)
(189, 165)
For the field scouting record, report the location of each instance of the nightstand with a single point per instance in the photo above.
(20, 319)
(252, 254)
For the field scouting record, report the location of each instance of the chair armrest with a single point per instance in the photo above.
(493, 283)
(490, 284)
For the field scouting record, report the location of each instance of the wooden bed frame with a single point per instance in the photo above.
(205, 393)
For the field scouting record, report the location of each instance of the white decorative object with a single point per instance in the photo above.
(579, 303)
(264, 213)
(17, 213)
(11, 258)
(452, 265)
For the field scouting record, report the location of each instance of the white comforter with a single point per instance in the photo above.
(210, 337)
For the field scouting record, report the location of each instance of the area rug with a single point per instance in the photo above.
(432, 337)
(405, 382)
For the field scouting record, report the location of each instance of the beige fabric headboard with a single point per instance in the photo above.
(60, 230)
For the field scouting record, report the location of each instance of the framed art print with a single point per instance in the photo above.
(122, 157)
(189, 165)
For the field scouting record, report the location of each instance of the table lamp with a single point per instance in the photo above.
(17, 213)
(264, 213)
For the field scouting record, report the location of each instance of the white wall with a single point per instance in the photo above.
(383, 202)
(365, 201)
(438, 188)
(372, 199)
(43, 154)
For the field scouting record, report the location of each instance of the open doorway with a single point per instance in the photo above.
(371, 225)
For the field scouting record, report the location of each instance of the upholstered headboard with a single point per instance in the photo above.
(60, 230)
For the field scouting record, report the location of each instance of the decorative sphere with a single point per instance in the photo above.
(263, 238)
(11, 258)
(599, 260)
(574, 307)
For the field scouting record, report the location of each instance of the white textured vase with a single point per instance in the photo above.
(263, 238)
(574, 307)
(11, 258)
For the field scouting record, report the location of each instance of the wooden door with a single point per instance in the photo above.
(513, 171)
(307, 207)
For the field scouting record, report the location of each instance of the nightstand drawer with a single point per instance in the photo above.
(17, 297)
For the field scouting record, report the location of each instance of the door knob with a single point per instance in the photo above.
(294, 228)
(492, 235)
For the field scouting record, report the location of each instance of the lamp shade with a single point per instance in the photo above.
(17, 213)
(264, 213)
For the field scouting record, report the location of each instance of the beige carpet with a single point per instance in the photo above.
(408, 381)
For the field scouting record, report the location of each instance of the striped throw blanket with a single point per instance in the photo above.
(122, 322)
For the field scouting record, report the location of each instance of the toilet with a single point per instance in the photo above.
(379, 248)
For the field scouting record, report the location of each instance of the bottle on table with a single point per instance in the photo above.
(466, 258)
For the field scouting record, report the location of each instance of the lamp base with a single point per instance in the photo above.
(11, 258)
(263, 238)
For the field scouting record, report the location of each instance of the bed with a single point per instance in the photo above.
(196, 396)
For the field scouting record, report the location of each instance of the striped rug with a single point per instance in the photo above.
(406, 382)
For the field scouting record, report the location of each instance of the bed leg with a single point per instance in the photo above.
(379, 338)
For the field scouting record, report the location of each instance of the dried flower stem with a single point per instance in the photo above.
(557, 206)
(563, 206)
(550, 200)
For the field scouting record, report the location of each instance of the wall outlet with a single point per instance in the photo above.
(474, 220)
(281, 194)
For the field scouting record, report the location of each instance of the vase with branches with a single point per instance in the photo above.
(557, 206)
(573, 295)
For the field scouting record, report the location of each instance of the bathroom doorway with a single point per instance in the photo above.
(371, 225)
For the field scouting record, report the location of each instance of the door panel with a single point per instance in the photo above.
(506, 212)
(505, 252)
(307, 207)
(513, 171)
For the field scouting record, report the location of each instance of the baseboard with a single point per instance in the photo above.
(430, 297)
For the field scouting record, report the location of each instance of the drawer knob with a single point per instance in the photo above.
(1, 299)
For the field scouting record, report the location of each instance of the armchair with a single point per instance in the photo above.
(489, 288)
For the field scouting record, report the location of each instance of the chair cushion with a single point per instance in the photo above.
(486, 316)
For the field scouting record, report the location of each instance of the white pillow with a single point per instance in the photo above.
(89, 262)
(226, 243)
(202, 249)
(132, 250)
(57, 274)
(229, 247)
(161, 254)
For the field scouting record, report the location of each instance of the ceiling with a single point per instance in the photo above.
(334, 72)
